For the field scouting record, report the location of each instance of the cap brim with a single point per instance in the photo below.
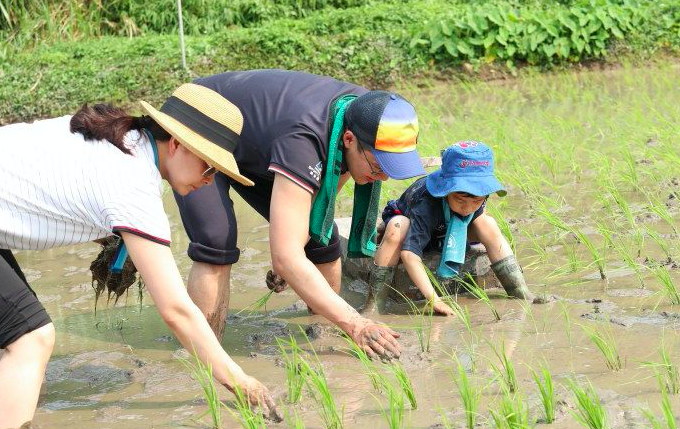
(213, 154)
(479, 186)
(399, 165)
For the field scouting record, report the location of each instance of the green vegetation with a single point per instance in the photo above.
(589, 411)
(203, 374)
(373, 43)
(295, 377)
(513, 412)
(604, 341)
(547, 392)
(469, 394)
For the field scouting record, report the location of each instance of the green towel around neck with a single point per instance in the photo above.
(366, 197)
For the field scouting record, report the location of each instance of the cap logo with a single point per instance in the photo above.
(472, 163)
(466, 144)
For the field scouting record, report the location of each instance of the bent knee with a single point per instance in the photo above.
(396, 230)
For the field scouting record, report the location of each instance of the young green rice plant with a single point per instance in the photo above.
(405, 384)
(625, 252)
(317, 384)
(293, 420)
(589, 411)
(506, 370)
(469, 394)
(668, 286)
(661, 242)
(378, 380)
(592, 249)
(495, 212)
(249, 418)
(423, 321)
(203, 374)
(259, 303)
(567, 321)
(573, 261)
(661, 210)
(295, 377)
(513, 413)
(666, 371)
(546, 389)
(666, 409)
(604, 341)
(479, 293)
(394, 414)
(463, 314)
(629, 173)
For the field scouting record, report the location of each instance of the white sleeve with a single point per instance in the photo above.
(137, 207)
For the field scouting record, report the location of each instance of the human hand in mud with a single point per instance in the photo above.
(275, 282)
(440, 307)
(258, 395)
(378, 341)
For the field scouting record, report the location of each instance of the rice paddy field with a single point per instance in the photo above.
(591, 161)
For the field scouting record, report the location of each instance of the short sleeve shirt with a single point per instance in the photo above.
(426, 215)
(58, 189)
(286, 126)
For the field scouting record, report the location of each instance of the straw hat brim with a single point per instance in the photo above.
(213, 154)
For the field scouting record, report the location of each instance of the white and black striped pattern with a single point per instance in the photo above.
(57, 189)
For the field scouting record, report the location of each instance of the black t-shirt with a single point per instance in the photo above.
(285, 121)
(426, 214)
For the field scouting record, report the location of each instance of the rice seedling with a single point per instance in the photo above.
(378, 380)
(546, 389)
(203, 374)
(293, 421)
(662, 211)
(506, 370)
(405, 383)
(567, 320)
(259, 303)
(495, 212)
(594, 253)
(629, 174)
(463, 314)
(666, 409)
(589, 411)
(394, 414)
(625, 252)
(668, 286)
(423, 321)
(248, 418)
(469, 394)
(295, 377)
(573, 261)
(666, 371)
(471, 286)
(512, 414)
(663, 244)
(604, 341)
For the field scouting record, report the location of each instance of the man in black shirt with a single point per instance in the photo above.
(284, 149)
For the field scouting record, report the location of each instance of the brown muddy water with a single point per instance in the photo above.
(120, 369)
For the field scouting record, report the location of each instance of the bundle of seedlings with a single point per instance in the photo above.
(115, 284)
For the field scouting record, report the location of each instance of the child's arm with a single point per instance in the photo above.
(414, 267)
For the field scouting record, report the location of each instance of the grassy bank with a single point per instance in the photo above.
(374, 44)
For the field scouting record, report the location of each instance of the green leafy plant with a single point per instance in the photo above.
(589, 410)
(604, 341)
(469, 394)
(546, 391)
(506, 370)
(405, 384)
(668, 286)
(204, 375)
(295, 377)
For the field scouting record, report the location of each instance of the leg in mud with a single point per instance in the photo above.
(503, 263)
(385, 262)
(22, 369)
(208, 287)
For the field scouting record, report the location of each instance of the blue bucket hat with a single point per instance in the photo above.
(467, 166)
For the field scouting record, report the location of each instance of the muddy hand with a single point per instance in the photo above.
(441, 307)
(378, 341)
(258, 395)
(275, 282)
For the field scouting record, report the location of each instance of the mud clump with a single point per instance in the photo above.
(115, 284)
(318, 330)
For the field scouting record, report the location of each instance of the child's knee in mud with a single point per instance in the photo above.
(485, 230)
(395, 232)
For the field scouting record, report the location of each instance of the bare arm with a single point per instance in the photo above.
(157, 267)
(414, 267)
(288, 234)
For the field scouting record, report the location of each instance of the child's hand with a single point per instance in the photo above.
(443, 308)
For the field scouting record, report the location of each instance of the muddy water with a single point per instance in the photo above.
(120, 369)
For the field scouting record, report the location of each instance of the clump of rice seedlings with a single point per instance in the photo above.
(248, 418)
(540, 250)
(394, 414)
(669, 288)
(666, 371)
(461, 313)
(293, 421)
(512, 414)
(629, 174)
(469, 394)
(258, 304)
(423, 321)
(546, 389)
(295, 377)
(604, 341)
(625, 252)
(663, 244)
(317, 384)
(479, 293)
(378, 380)
(666, 409)
(589, 411)
(662, 211)
(203, 374)
(506, 370)
(594, 253)
(405, 383)
(573, 261)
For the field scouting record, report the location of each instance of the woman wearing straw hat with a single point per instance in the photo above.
(74, 179)
(306, 136)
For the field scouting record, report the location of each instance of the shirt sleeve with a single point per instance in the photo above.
(297, 156)
(137, 208)
(424, 219)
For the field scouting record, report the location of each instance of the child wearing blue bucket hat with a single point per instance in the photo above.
(443, 211)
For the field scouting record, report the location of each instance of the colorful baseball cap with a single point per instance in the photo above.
(467, 166)
(389, 124)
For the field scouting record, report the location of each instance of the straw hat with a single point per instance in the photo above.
(204, 122)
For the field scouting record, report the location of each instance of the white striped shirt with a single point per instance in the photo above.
(57, 189)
